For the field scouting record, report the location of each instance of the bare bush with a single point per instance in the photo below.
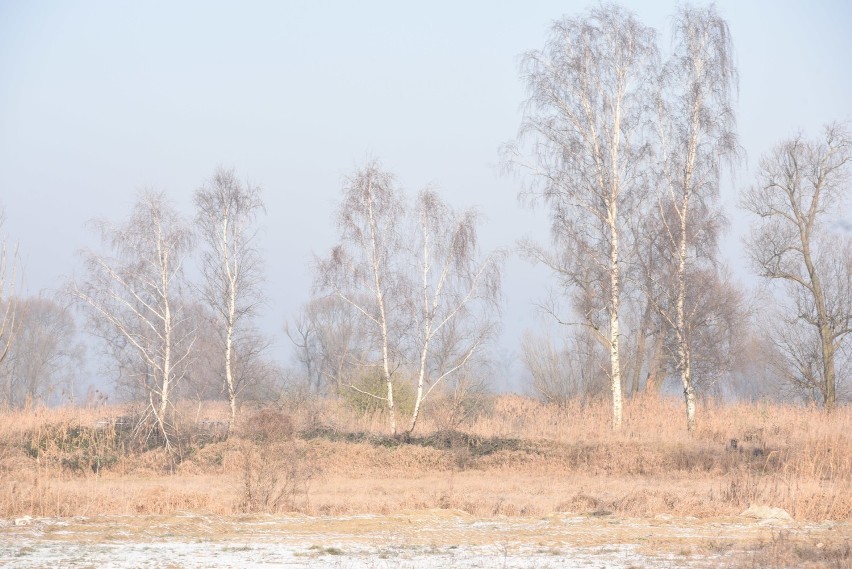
(276, 477)
(561, 373)
(267, 425)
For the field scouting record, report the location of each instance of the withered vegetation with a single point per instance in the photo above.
(516, 457)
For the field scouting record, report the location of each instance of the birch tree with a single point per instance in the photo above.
(415, 276)
(457, 293)
(132, 295)
(800, 186)
(364, 269)
(696, 125)
(585, 115)
(227, 212)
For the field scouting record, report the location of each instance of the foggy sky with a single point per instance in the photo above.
(101, 99)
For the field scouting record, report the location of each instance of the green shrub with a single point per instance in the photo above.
(370, 391)
(75, 447)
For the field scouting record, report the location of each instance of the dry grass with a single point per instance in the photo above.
(782, 550)
(519, 457)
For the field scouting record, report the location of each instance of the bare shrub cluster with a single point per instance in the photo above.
(276, 477)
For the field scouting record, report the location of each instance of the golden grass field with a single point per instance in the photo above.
(519, 458)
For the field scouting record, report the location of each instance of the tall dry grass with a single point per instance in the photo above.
(518, 456)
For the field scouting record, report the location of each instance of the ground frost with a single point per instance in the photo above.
(431, 539)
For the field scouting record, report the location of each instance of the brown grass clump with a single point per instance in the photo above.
(516, 456)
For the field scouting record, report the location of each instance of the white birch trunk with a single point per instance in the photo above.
(230, 319)
(684, 360)
(167, 344)
(614, 331)
(380, 301)
(614, 269)
(229, 375)
(684, 364)
(427, 333)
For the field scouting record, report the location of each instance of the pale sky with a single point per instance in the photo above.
(101, 99)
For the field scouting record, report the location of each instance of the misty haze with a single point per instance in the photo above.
(379, 285)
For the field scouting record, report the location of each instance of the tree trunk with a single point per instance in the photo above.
(386, 359)
(427, 331)
(828, 367)
(419, 398)
(640, 349)
(652, 379)
(229, 324)
(167, 347)
(380, 301)
(684, 364)
(391, 408)
(685, 369)
(229, 376)
(689, 396)
(421, 376)
(614, 333)
(825, 333)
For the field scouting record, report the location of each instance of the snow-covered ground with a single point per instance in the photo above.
(432, 539)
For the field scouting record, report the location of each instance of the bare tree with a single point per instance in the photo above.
(800, 186)
(44, 360)
(798, 360)
(132, 296)
(328, 345)
(417, 281)
(756, 373)
(457, 294)
(203, 379)
(562, 371)
(303, 335)
(719, 322)
(8, 274)
(649, 273)
(364, 269)
(231, 269)
(585, 113)
(696, 125)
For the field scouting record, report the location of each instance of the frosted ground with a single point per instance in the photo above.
(430, 539)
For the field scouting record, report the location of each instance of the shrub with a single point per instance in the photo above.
(369, 395)
(75, 447)
(276, 477)
(267, 425)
